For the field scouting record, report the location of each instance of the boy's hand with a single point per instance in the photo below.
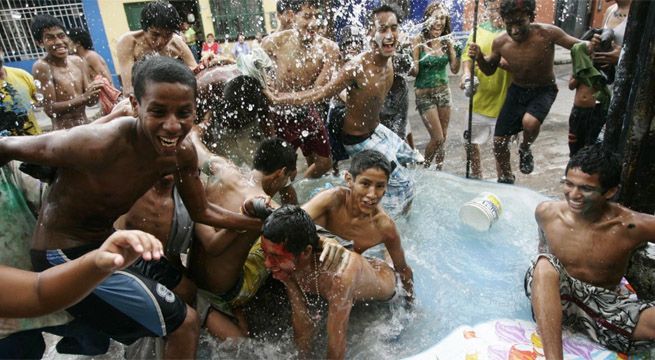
(92, 91)
(258, 206)
(334, 257)
(474, 51)
(123, 247)
(607, 58)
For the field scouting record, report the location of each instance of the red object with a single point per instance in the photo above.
(213, 47)
(108, 96)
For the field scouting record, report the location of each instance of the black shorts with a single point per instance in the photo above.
(126, 306)
(584, 126)
(162, 271)
(534, 101)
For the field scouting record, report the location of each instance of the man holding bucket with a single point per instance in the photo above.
(585, 244)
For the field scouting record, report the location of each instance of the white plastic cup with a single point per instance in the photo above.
(481, 212)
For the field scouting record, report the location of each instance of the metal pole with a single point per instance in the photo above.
(471, 84)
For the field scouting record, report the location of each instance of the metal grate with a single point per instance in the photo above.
(16, 40)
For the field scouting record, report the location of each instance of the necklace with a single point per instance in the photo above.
(313, 308)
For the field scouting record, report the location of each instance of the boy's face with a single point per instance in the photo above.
(367, 189)
(166, 113)
(306, 22)
(278, 260)
(583, 192)
(517, 25)
(385, 34)
(55, 42)
(210, 38)
(157, 37)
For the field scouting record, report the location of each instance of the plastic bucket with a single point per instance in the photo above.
(481, 212)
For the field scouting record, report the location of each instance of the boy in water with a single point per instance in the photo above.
(354, 213)
(289, 242)
(83, 47)
(102, 170)
(368, 78)
(585, 245)
(159, 24)
(529, 50)
(63, 79)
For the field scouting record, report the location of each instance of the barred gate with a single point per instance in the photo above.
(16, 40)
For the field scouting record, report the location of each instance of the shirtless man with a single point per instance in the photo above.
(528, 49)
(367, 79)
(289, 242)
(354, 213)
(63, 79)
(303, 60)
(585, 245)
(102, 170)
(159, 24)
(224, 264)
(83, 47)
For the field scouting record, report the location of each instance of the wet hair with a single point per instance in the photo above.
(598, 159)
(296, 5)
(244, 95)
(291, 226)
(507, 7)
(210, 34)
(369, 159)
(82, 37)
(274, 154)
(161, 69)
(428, 16)
(161, 15)
(385, 8)
(282, 6)
(44, 21)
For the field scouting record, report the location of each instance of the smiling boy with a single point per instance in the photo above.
(354, 212)
(63, 79)
(102, 170)
(585, 245)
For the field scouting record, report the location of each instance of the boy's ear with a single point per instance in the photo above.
(609, 194)
(348, 177)
(307, 252)
(135, 104)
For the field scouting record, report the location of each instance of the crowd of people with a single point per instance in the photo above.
(146, 227)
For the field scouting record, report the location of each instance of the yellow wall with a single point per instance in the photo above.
(206, 16)
(269, 7)
(115, 20)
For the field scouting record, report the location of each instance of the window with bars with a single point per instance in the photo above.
(232, 17)
(16, 39)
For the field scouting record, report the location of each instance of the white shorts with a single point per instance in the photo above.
(482, 128)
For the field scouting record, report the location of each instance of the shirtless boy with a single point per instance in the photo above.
(303, 60)
(102, 170)
(224, 264)
(83, 47)
(354, 212)
(289, 242)
(585, 245)
(529, 50)
(159, 23)
(367, 79)
(63, 79)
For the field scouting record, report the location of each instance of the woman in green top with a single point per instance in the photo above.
(433, 51)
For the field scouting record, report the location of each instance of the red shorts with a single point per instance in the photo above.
(304, 128)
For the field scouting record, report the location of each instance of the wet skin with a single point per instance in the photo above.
(104, 169)
(355, 213)
(302, 58)
(362, 280)
(135, 45)
(367, 79)
(64, 81)
(528, 48)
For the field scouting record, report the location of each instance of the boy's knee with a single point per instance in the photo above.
(191, 323)
(530, 123)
